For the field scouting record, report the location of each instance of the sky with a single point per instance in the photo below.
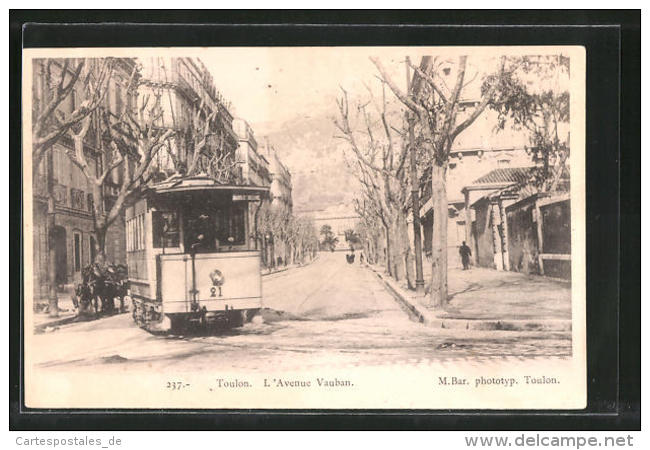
(289, 94)
(273, 85)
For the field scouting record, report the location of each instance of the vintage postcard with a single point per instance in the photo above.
(304, 227)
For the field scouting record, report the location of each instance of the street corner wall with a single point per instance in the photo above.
(522, 244)
(484, 245)
(556, 232)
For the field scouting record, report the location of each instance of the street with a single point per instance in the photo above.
(326, 314)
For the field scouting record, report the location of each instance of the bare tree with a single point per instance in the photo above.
(59, 81)
(63, 80)
(134, 139)
(201, 147)
(380, 164)
(302, 238)
(436, 107)
(371, 230)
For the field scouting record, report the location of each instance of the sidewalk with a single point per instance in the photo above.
(485, 299)
(67, 313)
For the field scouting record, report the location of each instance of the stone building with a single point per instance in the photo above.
(181, 86)
(515, 227)
(73, 234)
(477, 151)
(486, 200)
(254, 171)
(255, 166)
(340, 217)
(281, 186)
(280, 196)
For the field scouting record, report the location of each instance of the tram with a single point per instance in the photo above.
(192, 254)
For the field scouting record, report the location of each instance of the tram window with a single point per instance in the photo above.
(135, 233)
(199, 232)
(165, 229)
(215, 230)
(230, 224)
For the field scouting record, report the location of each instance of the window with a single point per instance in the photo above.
(165, 229)
(77, 252)
(230, 226)
(90, 203)
(77, 198)
(93, 251)
(503, 162)
(118, 99)
(135, 233)
(216, 229)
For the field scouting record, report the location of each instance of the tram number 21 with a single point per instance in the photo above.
(214, 290)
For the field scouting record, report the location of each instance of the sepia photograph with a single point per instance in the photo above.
(304, 227)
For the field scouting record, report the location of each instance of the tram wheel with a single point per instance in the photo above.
(250, 313)
(178, 323)
(236, 318)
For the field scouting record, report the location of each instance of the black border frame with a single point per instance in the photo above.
(612, 41)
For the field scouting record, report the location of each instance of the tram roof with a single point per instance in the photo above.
(196, 184)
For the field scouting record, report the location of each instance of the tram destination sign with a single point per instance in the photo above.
(246, 198)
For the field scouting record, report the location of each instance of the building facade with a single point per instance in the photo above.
(185, 93)
(255, 166)
(518, 228)
(281, 186)
(281, 200)
(476, 152)
(58, 177)
(339, 217)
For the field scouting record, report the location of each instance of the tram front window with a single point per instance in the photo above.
(165, 229)
(214, 231)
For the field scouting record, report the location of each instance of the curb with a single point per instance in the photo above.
(40, 328)
(289, 268)
(420, 314)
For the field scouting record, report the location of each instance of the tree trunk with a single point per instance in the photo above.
(439, 240)
(387, 253)
(52, 299)
(100, 244)
(406, 254)
(409, 261)
(398, 248)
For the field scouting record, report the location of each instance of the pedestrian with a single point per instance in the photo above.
(465, 253)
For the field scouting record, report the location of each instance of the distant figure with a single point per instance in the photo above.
(465, 253)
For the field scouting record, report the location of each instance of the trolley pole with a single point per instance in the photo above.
(415, 190)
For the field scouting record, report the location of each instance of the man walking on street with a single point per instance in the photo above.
(465, 253)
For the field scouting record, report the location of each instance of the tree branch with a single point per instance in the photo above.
(405, 99)
(481, 107)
